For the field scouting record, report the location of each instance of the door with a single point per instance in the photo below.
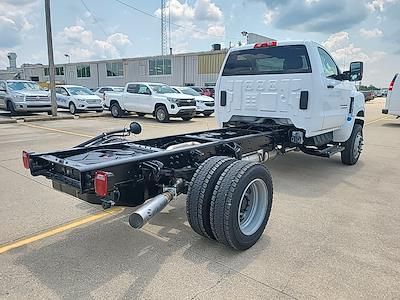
(62, 97)
(335, 94)
(130, 98)
(3, 94)
(145, 99)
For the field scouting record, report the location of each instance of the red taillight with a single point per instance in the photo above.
(266, 44)
(101, 183)
(391, 85)
(25, 159)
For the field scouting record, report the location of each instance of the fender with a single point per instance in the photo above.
(356, 116)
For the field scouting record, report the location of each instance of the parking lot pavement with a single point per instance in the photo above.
(333, 231)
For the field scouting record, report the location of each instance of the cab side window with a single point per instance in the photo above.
(143, 89)
(2, 85)
(331, 70)
(63, 92)
(133, 88)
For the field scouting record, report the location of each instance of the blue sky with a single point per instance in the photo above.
(367, 30)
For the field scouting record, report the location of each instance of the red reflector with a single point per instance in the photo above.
(391, 85)
(101, 183)
(25, 159)
(266, 44)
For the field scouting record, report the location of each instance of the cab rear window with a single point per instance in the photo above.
(271, 60)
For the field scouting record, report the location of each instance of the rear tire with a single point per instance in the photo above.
(161, 114)
(141, 114)
(353, 146)
(11, 109)
(200, 191)
(72, 108)
(186, 118)
(116, 110)
(241, 204)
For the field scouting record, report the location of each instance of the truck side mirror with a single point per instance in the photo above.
(135, 128)
(356, 71)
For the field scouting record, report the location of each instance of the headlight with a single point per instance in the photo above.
(200, 101)
(82, 100)
(173, 100)
(19, 97)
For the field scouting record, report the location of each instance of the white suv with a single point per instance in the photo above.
(157, 99)
(204, 104)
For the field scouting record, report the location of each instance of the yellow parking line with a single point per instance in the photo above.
(57, 130)
(377, 120)
(59, 229)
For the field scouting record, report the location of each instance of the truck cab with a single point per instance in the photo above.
(293, 83)
(157, 99)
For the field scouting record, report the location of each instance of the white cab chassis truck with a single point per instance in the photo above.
(271, 98)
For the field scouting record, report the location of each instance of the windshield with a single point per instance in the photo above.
(189, 91)
(79, 91)
(23, 85)
(162, 88)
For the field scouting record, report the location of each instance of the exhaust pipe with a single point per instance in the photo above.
(153, 206)
(148, 210)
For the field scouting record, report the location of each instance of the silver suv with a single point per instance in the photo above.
(23, 96)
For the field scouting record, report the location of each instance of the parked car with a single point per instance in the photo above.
(157, 99)
(368, 95)
(204, 104)
(392, 104)
(382, 93)
(100, 91)
(77, 98)
(23, 96)
(205, 91)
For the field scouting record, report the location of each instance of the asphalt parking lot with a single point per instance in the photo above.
(333, 231)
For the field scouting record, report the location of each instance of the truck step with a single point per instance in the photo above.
(327, 152)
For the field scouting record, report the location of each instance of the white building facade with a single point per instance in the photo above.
(196, 69)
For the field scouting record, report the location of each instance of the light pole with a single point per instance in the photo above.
(69, 57)
(51, 59)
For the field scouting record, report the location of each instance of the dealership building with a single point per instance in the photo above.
(192, 69)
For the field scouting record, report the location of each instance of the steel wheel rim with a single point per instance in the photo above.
(114, 111)
(358, 143)
(253, 206)
(160, 114)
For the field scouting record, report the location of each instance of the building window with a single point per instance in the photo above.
(83, 71)
(160, 66)
(59, 71)
(115, 69)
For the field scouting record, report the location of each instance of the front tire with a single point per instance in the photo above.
(116, 110)
(72, 108)
(141, 114)
(11, 109)
(186, 118)
(162, 114)
(207, 114)
(353, 146)
(241, 204)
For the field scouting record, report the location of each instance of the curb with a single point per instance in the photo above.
(35, 119)
(9, 121)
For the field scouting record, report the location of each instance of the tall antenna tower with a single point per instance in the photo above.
(164, 29)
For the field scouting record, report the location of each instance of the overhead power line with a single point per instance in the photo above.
(172, 23)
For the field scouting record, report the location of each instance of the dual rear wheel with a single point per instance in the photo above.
(230, 201)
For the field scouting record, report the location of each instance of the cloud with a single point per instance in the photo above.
(315, 15)
(15, 21)
(371, 33)
(200, 20)
(79, 42)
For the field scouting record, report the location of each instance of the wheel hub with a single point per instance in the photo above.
(358, 145)
(253, 206)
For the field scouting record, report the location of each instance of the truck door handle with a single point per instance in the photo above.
(330, 86)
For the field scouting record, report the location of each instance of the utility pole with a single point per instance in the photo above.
(51, 59)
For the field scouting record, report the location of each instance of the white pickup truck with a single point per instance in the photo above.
(298, 84)
(157, 99)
